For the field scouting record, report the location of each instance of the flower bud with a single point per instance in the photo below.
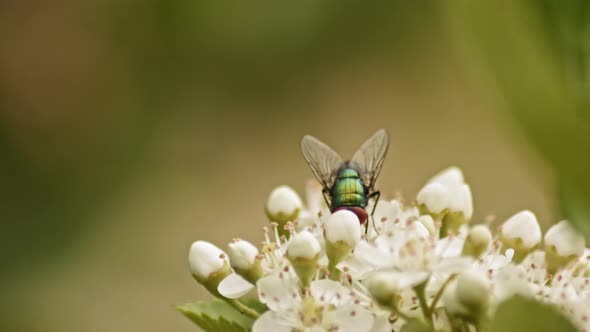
(451, 301)
(383, 287)
(478, 241)
(243, 258)
(522, 233)
(434, 197)
(208, 265)
(428, 223)
(473, 292)
(342, 231)
(446, 197)
(303, 251)
(468, 202)
(563, 244)
(283, 205)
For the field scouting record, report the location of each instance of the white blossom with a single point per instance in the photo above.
(319, 271)
(565, 239)
(303, 245)
(242, 254)
(524, 227)
(447, 191)
(328, 306)
(283, 204)
(343, 226)
(205, 259)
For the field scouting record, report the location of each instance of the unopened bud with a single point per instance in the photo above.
(303, 252)
(473, 292)
(451, 301)
(208, 265)
(283, 205)
(343, 232)
(446, 197)
(383, 287)
(563, 244)
(428, 223)
(478, 241)
(522, 233)
(434, 198)
(243, 258)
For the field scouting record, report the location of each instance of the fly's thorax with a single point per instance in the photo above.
(348, 189)
(348, 173)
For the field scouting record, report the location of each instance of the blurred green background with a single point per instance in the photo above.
(129, 129)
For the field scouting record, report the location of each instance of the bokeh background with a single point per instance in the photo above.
(130, 129)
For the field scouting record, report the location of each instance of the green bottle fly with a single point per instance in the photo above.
(348, 189)
(348, 184)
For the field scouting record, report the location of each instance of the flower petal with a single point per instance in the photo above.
(329, 292)
(450, 246)
(234, 286)
(349, 318)
(355, 267)
(271, 322)
(381, 324)
(372, 255)
(453, 265)
(278, 292)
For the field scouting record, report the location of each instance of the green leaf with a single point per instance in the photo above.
(253, 303)
(519, 314)
(216, 316)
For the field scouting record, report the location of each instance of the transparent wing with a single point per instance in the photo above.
(369, 157)
(322, 160)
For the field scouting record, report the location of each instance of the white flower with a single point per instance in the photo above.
(329, 306)
(383, 286)
(478, 241)
(447, 190)
(473, 290)
(411, 253)
(283, 204)
(428, 223)
(480, 235)
(343, 226)
(317, 271)
(234, 286)
(435, 197)
(388, 215)
(309, 216)
(205, 259)
(271, 261)
(303, 245)
(451, 302)
(524, 227)
(242, 254)
(509, 281)
(565, 239)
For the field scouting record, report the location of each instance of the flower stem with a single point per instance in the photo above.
(421, 294)
(334, 272)
(400, 314)
(440, 292)
(244, 309)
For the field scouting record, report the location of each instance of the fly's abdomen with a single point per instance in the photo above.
(348, 192)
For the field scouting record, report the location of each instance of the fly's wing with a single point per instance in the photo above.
(322, 160)
(369, 157)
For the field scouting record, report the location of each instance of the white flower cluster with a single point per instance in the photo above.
(318, 271)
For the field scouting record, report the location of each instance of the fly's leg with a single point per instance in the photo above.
(326, 198)
(376, 195)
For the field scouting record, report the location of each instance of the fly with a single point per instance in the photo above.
(348, 184)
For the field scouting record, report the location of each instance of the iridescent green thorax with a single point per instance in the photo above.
(348, 190)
